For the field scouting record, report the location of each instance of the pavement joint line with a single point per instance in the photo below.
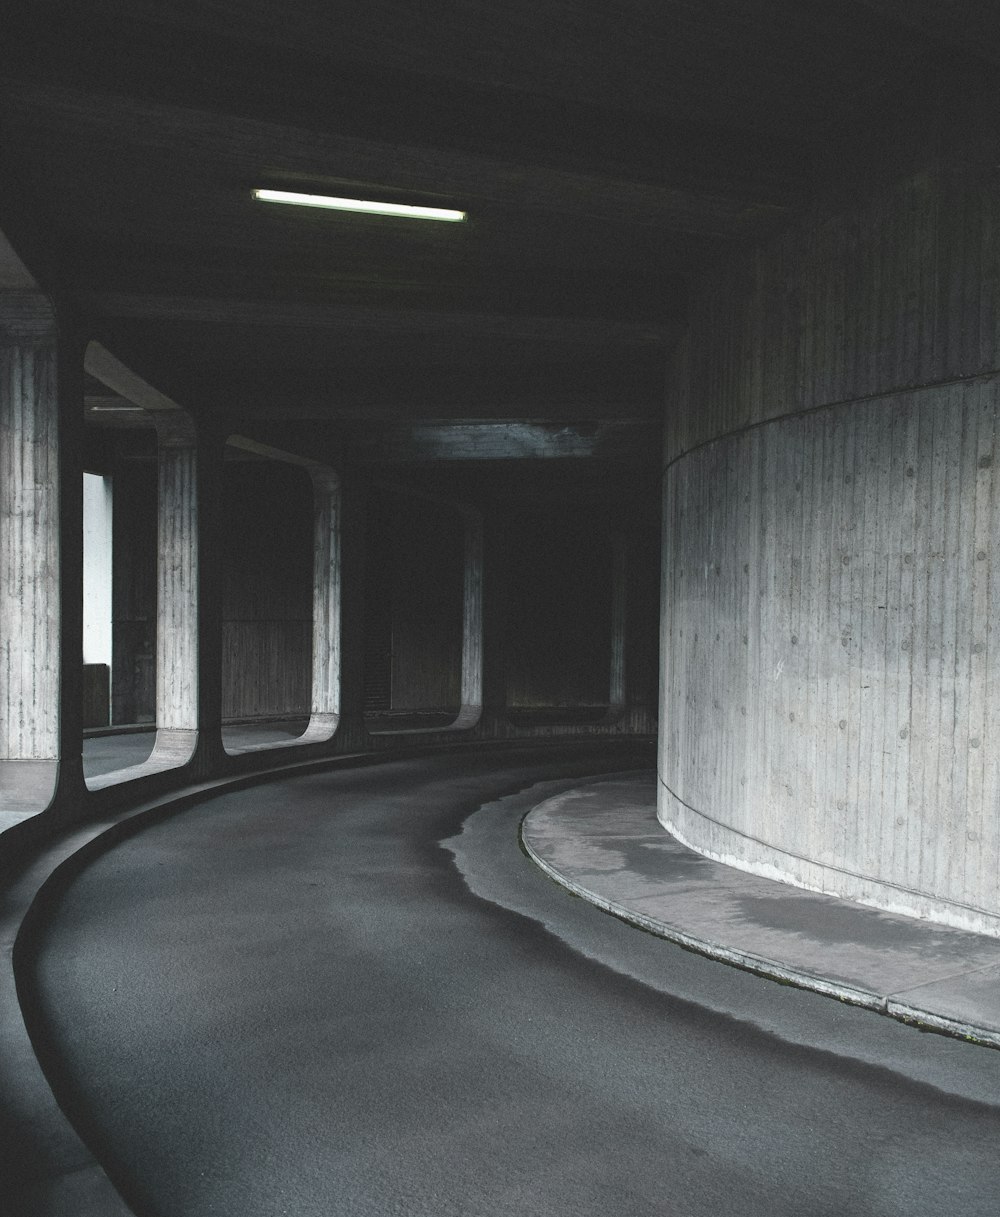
(770, 969)
(936, 980)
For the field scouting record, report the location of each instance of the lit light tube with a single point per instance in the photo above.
(379, 209)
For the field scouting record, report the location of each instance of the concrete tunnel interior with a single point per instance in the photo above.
(685, 433)
(789, 430)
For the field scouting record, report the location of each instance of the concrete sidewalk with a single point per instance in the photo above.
(603, 842)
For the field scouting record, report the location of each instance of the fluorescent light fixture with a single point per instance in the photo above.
(379, 209)
(117, 409)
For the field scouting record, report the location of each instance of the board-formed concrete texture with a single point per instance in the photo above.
(29, 555)
(722, 321)
(832, 542)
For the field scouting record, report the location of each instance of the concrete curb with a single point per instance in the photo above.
(770, 969)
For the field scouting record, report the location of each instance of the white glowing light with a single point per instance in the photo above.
(365, 205)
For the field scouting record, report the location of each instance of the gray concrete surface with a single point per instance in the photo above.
(810, 728)
(603, 842)
(351, 993)
(32, 489)
(831, 533)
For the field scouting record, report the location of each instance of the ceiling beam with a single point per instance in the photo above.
(506, 441)
(347, 399)
(99, 362)
(354, 275)
(412, 322)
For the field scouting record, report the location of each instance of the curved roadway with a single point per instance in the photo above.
(351, 993)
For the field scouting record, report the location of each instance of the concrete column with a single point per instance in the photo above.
(352, 734)
(210, 756)
(188, 629)
(324, 715)
(41, 545)
(177, 588)
(494, 722)
(471, 708)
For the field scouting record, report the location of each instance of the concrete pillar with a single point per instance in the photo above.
(471, 708)
(352, 734)
(41, 546)
(324, 715)
(177, 591)
(188, 624)
(209, 756)
(638, 632)
(188, 628)
(619, 610)
(187, 704)
(494, 722)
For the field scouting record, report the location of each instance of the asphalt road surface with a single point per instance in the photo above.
(351, 993)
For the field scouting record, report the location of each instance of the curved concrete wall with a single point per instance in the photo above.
(830, 692)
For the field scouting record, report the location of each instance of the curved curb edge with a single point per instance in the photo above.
(769, 969)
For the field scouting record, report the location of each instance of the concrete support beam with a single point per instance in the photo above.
(472, 624)
(177, 651)
(209, 756)
(496, 549)
(188, 718)
(507, 441)
(188, 673)
(352, 735)
(619, 608)
(324, 715)
(99, 362)
(29, 728)
(41, 544)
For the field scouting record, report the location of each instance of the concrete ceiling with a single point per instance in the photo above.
(604, 154)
